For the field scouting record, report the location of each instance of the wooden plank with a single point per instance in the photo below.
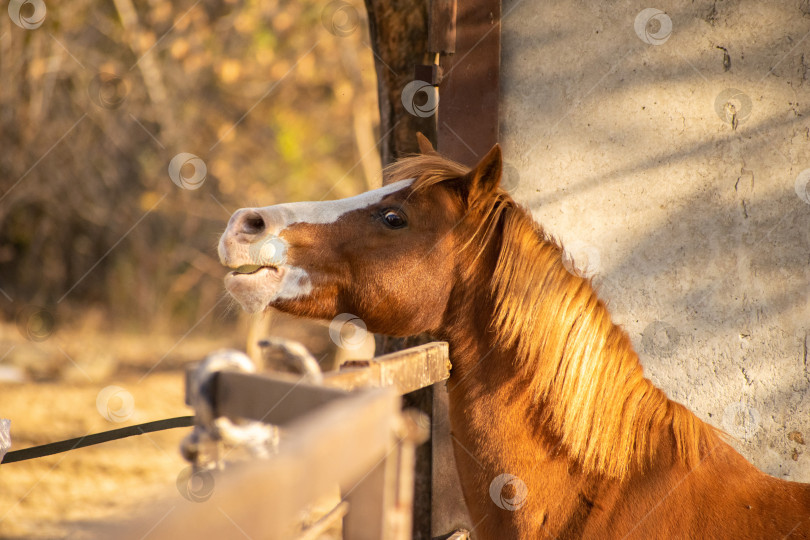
(422, 401)
(269, 398)
(382, 500)
(334, 445)
(415, 368)
(369, 503)
(277, 375)
(402, 516)
(349, 379)
(277, 397)
(449, 512)
(406, 370)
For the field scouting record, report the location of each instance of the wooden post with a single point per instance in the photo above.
(449, 512)
(369, 504)
(421, 400)
(399, 36)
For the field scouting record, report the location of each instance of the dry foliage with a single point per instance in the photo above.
(96, 102)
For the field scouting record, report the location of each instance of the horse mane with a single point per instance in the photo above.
(582, 368)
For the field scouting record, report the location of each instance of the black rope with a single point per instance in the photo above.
(96, 438)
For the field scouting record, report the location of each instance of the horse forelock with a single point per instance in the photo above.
(430, 170)
(426, 169)
(582, 367)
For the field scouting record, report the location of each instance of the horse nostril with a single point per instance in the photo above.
(252, 223)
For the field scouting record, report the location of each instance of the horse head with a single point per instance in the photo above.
(390, 256)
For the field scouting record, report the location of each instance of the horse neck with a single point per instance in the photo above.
(533, 343)
(497, 430)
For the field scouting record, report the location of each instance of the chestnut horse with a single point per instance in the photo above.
(558, 434)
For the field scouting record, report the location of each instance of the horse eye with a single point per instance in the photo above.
(393, 220)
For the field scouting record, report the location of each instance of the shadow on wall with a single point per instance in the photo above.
(671, 143)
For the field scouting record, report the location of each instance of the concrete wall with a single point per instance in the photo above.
(673, 170)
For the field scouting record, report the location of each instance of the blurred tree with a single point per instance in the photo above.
(276, 98)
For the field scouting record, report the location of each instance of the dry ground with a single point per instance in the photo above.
(59, 496)
(67, 495)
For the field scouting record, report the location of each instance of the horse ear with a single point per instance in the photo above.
(485, 177)
(424, 144)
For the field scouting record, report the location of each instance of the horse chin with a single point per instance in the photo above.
(257, 290)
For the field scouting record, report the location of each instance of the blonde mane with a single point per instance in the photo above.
(580, 365)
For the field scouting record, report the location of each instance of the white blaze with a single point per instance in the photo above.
(296, 282)
(272, 249)
(321, 212)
